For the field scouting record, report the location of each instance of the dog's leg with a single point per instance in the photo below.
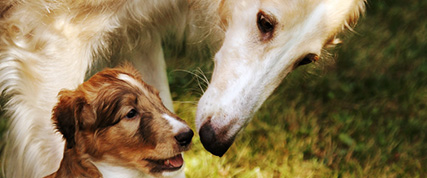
(151, 64)
(33, 148)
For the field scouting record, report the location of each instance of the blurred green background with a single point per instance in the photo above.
(360, 112)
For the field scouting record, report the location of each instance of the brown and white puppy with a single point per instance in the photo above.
(115, 125)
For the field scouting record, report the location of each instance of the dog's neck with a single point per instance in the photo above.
(76, 164)
(110, 171)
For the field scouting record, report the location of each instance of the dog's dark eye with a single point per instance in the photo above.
(131, 114)
(309, 58)
(266, 25)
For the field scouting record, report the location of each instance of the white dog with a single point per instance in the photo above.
(47, 45)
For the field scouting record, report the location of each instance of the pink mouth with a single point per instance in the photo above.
(174, 162)
(170, 164)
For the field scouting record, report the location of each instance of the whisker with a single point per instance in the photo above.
(201, 78)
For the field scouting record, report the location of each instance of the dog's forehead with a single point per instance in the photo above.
(133, 82)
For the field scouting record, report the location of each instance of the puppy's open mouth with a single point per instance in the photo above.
(170, 164)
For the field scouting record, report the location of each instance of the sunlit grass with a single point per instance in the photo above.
(297, 144)
(261, 151)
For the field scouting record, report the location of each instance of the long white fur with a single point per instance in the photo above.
(46, 46)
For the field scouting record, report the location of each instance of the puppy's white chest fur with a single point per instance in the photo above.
(110, 171)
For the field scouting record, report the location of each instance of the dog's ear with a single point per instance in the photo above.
(66, 115)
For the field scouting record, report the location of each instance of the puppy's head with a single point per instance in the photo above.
(116, 118)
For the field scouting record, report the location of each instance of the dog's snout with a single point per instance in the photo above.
(184, 138)
(215, 143)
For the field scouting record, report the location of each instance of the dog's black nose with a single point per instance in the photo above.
(212, 141)
(184, 138)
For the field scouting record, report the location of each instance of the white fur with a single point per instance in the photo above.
(111, 171)
(133, 82)
(247, 70)
(176, 125)
(46, 46)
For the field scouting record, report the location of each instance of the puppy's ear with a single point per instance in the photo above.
(66, 113)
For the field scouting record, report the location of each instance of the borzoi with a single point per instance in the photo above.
(264, 41)
(46, 46)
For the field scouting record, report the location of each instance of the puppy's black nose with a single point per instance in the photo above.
(184, 138)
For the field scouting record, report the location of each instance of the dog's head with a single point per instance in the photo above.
(117, 119)
(264, 41)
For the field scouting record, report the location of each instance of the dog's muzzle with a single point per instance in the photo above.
(214, 141)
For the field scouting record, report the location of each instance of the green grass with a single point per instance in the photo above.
(364, 115)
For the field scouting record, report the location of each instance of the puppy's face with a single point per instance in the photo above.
(117, 119)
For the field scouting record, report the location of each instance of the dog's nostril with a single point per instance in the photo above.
(184, 138)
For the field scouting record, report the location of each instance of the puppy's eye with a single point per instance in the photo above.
(266, 25)
(131, 114)
(309, 58)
